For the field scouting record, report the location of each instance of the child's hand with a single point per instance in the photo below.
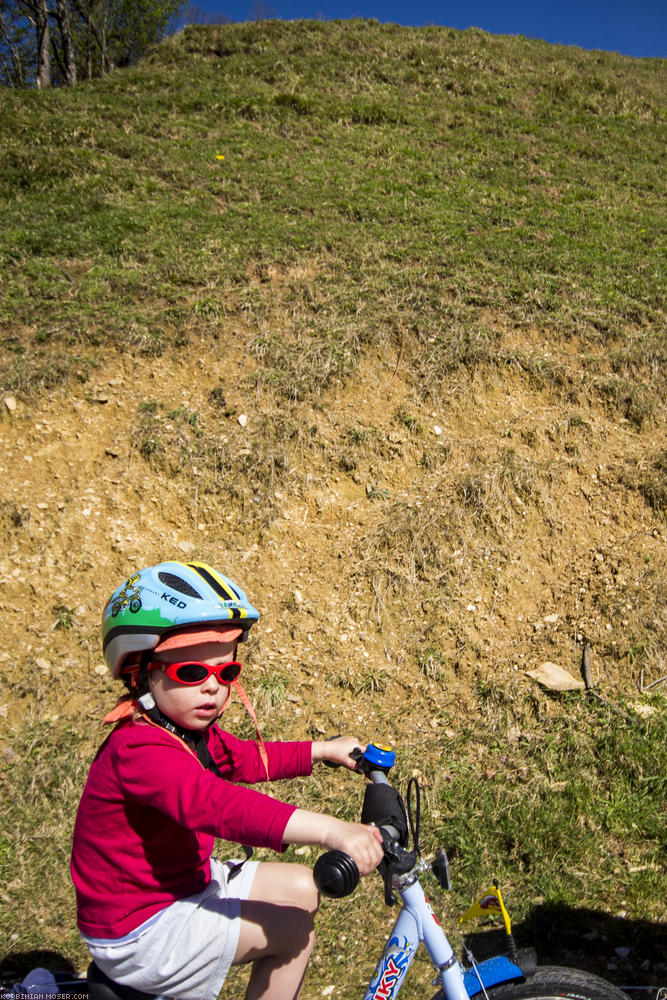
(362, 843)
(337, 751)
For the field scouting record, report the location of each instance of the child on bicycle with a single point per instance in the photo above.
(157, 911)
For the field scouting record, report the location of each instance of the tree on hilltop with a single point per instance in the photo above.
(57, 42)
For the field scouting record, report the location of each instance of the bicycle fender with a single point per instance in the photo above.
(493, 971)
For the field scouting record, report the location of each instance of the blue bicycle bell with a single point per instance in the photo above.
(383, 757)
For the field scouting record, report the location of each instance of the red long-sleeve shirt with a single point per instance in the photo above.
(149, 814)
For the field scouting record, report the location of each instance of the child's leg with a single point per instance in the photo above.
(277, 930)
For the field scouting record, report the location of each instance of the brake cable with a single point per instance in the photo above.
(413, 784)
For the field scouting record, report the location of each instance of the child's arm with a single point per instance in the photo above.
(362, 843)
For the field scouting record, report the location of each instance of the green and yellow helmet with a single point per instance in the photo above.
(166, 598)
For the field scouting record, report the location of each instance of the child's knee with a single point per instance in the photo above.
(305, 892)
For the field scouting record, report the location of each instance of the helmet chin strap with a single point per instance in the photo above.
(193, 738)
(245, 700)
(238, 687)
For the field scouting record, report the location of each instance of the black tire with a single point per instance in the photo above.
(551, 982)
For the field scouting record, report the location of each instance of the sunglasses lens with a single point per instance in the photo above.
(191, 673)
(229, 672)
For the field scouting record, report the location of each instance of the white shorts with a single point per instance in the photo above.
(187, 949)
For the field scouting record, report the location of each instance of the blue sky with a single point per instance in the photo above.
(632, 27)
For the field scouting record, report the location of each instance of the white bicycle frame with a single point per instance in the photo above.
(416, 923)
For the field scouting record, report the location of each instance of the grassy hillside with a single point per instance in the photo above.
(372, 318)
(437, 179)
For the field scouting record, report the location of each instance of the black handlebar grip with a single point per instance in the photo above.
(336, 874)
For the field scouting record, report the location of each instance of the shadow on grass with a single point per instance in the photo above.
(15, 966)
(588, 940)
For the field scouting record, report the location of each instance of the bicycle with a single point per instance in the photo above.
(515, 976)
(505, 977)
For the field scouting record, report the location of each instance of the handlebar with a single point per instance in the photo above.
(335, 873)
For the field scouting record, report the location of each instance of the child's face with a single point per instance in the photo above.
(193, 706)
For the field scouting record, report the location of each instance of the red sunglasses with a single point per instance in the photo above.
(193, 672)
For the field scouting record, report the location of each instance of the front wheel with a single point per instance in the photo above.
(555, 983)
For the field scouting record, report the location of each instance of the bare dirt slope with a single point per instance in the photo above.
(494, 532)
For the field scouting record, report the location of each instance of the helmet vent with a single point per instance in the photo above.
(175, 582)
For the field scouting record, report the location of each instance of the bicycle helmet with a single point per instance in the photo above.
(159, 601)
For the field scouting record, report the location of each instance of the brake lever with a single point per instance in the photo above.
(397, 861)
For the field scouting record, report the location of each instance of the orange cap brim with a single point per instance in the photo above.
(198, 637)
